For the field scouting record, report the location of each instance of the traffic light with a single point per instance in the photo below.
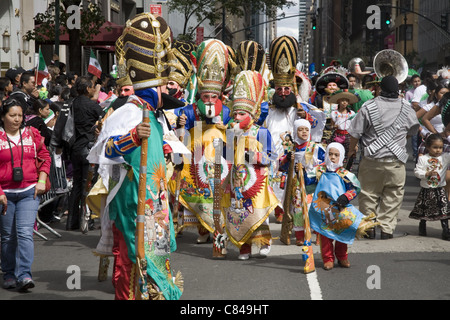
(387, 20)
(444, 21)
(313, 23)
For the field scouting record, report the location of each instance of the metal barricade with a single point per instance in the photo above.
(59, 189)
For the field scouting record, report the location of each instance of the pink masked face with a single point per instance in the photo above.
(243, 118)
(283, 91)
(126, 91)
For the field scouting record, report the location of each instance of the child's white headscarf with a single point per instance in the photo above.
(301, 123)
(334, 166)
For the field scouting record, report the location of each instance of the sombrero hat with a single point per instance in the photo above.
(325, 79)
(343, 94)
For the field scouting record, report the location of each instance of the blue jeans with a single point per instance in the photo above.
(16, 228)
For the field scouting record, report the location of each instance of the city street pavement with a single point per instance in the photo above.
(410, 267)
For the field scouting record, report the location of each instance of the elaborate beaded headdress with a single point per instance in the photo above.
(283, 60)
(182, 69)
(249, 91)
(212, 61)
(147, 50)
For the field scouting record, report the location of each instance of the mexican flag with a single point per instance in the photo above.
(41, 70)
(94, 67)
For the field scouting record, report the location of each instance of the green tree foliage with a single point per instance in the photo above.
(91, 19)
(211, 10)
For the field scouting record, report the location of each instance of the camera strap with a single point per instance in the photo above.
(10, 150)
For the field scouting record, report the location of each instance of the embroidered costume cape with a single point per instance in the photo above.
(248, 198)
(117, 152)
(340, 225)
(197, 176)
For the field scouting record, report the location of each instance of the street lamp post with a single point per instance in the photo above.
(6, 41)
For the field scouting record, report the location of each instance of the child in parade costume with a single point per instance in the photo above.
(432, 201)
(309, 154)
(118, 153)
(204, 120)
(248, 199)
(331, 80)
(330, 213)
(341, 118)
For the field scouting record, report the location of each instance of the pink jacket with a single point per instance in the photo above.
(30, 145)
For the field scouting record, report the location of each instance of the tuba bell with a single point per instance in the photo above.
(358, 67)
(390, 63)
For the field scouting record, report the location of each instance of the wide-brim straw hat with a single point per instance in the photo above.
(342, 94)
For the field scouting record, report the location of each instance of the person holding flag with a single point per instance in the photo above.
(41, 70)
(94, 67)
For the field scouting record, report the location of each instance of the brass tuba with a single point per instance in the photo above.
(358, 67)
(390, 63)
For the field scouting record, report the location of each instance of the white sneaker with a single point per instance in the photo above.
(203, 239)
(264, 251)
(244, 256)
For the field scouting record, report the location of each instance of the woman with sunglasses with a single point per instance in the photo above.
(21, 185)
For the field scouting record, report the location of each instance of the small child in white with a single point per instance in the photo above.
(432, 201)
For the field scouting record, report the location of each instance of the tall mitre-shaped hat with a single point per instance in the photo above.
(211, 60)
(248, 92)
(147, 50)
(182, 68)
(283, 60)
(251, 56)
(123, 78)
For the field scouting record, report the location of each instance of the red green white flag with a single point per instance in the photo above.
(94, 67)
(42, 71)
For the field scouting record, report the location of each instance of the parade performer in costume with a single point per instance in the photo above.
(146, 44)
(248, 198)
(180, 83)
(341, 118)
(318, 116)
(309, 154)
(330, 213)
(330, 81)
(284, 109)
(250, 55)
(203, 121)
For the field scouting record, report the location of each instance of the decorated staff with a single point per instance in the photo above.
(143, 227)
(248, 198)
(219, 238)
(287, 222)
(141, 292)
(308, 255)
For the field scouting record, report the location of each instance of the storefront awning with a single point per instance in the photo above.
(109, 33)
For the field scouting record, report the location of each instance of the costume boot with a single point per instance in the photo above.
(299, 237)
(423, 228)
(279, 215)
(445, 230)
